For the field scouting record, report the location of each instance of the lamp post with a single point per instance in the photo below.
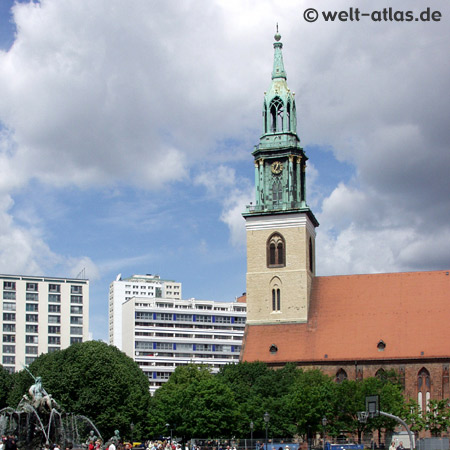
(131, 428)
(169, 429)
(266, 421)
(251, 433)
(324, 424)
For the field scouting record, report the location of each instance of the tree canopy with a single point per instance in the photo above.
(93, 379)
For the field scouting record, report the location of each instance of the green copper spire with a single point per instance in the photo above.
(278, 66)
(280, 162)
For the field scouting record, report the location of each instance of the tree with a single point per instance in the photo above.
(5, 386)
(437, 417)
(96, 380)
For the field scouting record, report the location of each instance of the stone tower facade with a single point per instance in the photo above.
(280, 226)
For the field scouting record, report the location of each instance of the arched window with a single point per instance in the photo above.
(276, 115)
(276, 299)
(311, 256)
(277, 193)
(341, 375)
(276, 252)
(265, 117)
(381, 374)
(288, 116)
(423, 388)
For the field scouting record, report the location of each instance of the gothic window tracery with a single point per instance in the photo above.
(276, 299)
(276, 251)
(423, 388)
(277, 193)
(276, 115)
(341, 375)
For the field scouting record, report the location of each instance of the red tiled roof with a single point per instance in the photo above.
(350, 315)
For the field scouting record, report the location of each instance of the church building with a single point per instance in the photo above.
(349, 326)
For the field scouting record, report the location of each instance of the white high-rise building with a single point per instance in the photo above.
(161, 334)
(41, 315)
(123, 289)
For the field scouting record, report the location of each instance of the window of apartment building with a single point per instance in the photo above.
(9, 338)
(54, 308)
(164, 345)
(54, 288)
(9, 306)
(54, 340)
(9, 360)
(164, 316)
(53, 329)
(9, 295)
(76, 310)
(76, 330)
(76, 320)
(32, 296)
(32, 307)
(203, 347)
(239, 320)
(54, 319)
(202, 318)
(29, 359)
(54, 298)
(163, 375)
(9, 327)
(143, 345)
(184, 317)
(76, 289)
(31, 317)
(31, 328)
(32, 287)
(76, 299)
(75, 340)
(53, 349)
(9, 349)
(184, 347)
(31, 339)
(144, 315)
(9, 285)
(9, 317)
(31, 350)
(223, 319)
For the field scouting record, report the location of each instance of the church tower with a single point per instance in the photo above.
(280, 226)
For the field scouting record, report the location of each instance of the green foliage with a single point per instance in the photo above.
(96, 380)
(437, 417)
(6, 380)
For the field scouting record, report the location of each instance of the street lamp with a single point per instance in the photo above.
(132, 428)
(324, 424)
(266, 421)
(171, 429)
(251, 433)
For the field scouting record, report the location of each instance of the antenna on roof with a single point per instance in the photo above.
(82, 274)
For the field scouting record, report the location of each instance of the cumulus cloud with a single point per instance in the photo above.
(147, 94)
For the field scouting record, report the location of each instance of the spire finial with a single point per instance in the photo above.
(277, 35)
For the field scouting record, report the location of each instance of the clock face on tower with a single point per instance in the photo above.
(277, 167)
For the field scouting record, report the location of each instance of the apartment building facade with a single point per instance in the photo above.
(161, 334)
(41, 315)
(123, 289)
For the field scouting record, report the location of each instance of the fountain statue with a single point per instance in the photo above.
(38, 420)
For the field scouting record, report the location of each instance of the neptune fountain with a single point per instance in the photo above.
(38, 420)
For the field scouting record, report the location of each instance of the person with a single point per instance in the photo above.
(392, 446)
(400, 446)
(10, 443)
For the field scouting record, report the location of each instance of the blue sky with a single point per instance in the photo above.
(126, 132)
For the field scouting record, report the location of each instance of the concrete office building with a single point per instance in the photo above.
(122, 289)
(40, 315)
(161, 334)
